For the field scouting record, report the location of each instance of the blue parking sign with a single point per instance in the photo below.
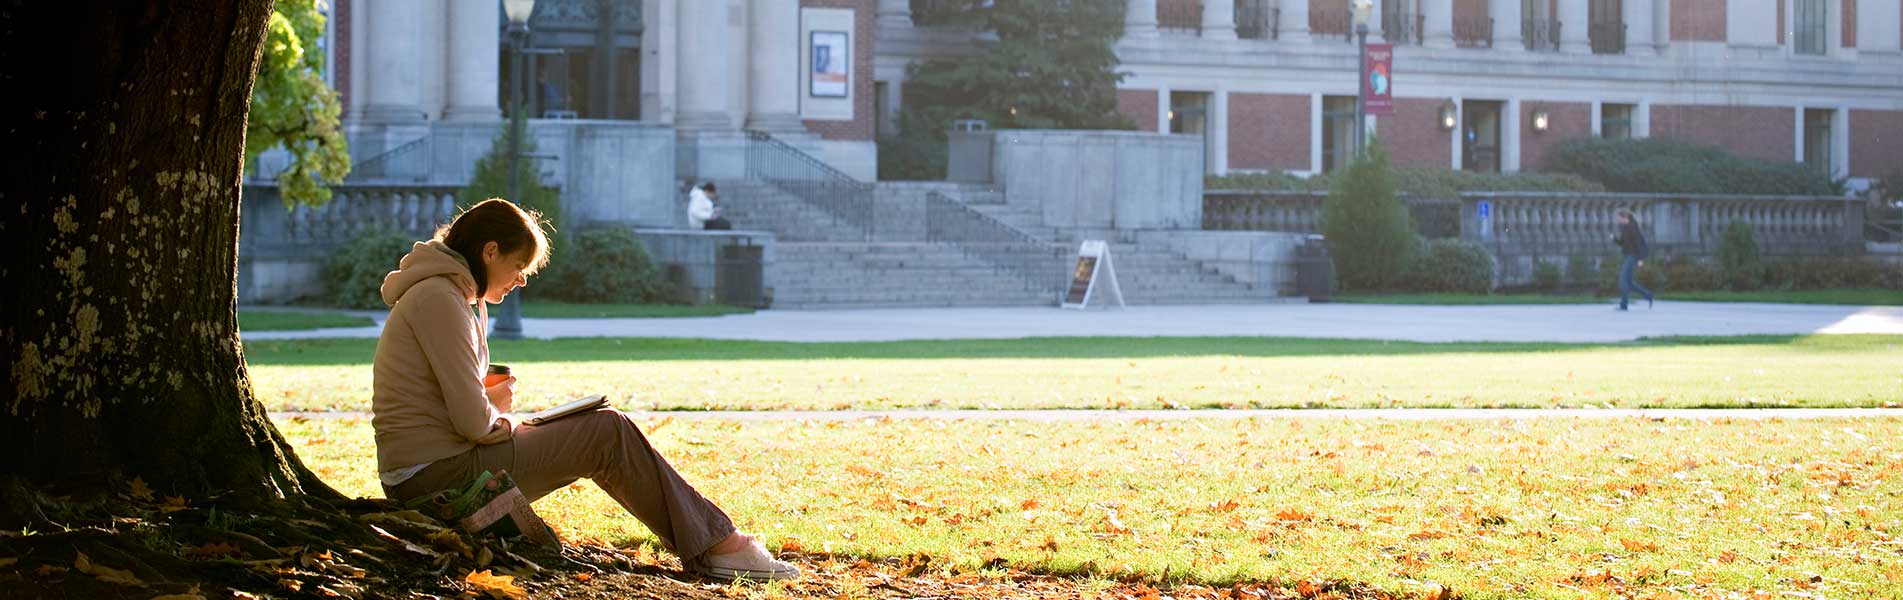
(1484, 209)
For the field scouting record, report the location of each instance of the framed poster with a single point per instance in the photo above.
(831, 71)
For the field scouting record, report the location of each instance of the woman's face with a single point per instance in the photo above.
(505, 271)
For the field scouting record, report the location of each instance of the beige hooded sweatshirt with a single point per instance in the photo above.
(427, 398)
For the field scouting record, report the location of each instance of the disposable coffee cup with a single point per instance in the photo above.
(497, 374)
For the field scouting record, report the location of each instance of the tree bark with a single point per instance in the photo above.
(119, 215)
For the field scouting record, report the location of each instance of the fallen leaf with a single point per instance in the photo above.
(583, 577)
(173, 504)
(1293, 515)
(140, 491)
(1637, 546)
(179, 597)
(211, 551)
(499, 587)
(8, 562)
(105, 573)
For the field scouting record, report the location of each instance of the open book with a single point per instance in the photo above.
(579, 406)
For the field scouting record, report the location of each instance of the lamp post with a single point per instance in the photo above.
(1362, 10)
(509, 318)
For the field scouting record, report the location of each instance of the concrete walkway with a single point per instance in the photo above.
(1398, 414)
(1515, 323)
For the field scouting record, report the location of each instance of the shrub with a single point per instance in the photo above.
(1579, 270)
(1546, 276)
(1451, 265)
(1367, 228)
(606, 265)
(1738, 257)
(1682, 274)
(1829, 273)
(353, 275)
(1658, 165)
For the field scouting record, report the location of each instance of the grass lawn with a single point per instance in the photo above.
(1463, 299)
(543, 309)
(287, 321)
(676, 374)
(1857, 297)
(1490, 509)
(1853, 297)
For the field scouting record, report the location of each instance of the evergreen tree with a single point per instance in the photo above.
(491, 180)
(1368, 229)
(1053, 67)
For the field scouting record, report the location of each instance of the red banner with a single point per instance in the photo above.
(1380, 83)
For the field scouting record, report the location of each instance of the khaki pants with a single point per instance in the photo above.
(606, 447)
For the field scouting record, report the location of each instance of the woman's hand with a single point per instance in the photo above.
(502, 394)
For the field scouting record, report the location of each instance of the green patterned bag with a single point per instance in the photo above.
(480, 506)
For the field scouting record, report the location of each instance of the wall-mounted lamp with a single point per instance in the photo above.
(1541, 120)
(1448, 116)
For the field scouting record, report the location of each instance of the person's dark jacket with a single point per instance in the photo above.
(1631, 241)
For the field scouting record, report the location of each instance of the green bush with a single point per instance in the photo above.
(1368, 230)
(1547, 276)
(1658, 165)
(1819, 273)
(353, 275)
(1738, 257)
(1682, 274)
(1579, 270)
(1451, 265)
(606, 265)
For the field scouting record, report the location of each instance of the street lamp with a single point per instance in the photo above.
(1362, 10)
(509, 318)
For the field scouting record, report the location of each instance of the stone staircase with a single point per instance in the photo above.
(1148, 274)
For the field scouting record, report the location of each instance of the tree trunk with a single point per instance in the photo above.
(120, 223)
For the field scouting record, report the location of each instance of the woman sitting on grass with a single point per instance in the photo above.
(437, 425)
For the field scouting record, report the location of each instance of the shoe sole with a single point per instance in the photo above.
(727, 574)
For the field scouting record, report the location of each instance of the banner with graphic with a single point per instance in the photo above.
(1380, 80)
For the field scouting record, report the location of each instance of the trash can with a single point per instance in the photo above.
(738, 275)
(1314, 269)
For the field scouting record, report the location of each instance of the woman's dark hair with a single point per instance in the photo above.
(500, 221)
(709, 188)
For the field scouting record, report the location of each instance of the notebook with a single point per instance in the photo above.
(579, 406)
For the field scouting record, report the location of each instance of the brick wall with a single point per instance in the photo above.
(1269, 131)
(1139, 106)
(340, 16)
(1412, 135)
(1850, 23)
(1699, 20)
(1566, 120)
(1766, 132)
(1876, 143)
(861, 127)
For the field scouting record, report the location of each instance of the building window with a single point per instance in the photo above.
(1615, 121)
(1538, 27)
(1338, 132)
(1401, 21)
(1480, 136)
(1606, 28)
(1809, 29)
(1817, 140)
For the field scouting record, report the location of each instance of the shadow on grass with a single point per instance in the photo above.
(361, 351)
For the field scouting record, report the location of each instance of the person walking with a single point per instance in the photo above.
(439, 426)
(1632, 245)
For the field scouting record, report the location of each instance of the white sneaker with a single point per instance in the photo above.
(753, 563)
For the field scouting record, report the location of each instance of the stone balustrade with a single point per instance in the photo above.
(281, 251)
(1525, 228)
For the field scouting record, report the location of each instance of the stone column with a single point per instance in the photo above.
(1219, 19)
(1661, 24)
(1139, 19)
(474, 62)
(396, 60)
(892, 14)
(1294, 22)
(704, 66)
(1508, 22)
(1377, 23)
(1574, 20)
(1638, 28)
(1438, 32)
(773, 65)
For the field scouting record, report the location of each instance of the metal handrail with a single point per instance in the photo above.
(379, 165)
(847, 200)
(980, 236)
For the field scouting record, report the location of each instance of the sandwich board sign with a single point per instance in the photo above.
(1094, 270)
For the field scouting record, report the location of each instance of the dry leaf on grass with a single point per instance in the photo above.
(140, 491)
(211, 551)
(499, 587)
(8, 562)
(105, 573)
(1637, 546)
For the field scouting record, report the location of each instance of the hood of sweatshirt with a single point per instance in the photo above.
(426, 260)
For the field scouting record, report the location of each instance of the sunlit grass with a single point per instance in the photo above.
(1492, 509)
(1815, 371)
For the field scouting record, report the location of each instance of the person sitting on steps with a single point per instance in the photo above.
(702, 213)
(437, 426)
